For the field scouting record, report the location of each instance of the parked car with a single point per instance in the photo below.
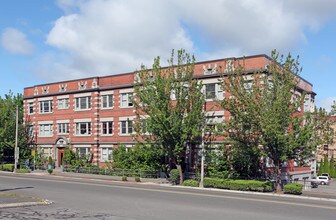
(321, 180)
(327, 175)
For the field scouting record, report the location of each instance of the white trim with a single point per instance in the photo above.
(82, 120)
(126, 90)
(127, 118)
(63, 121)
(63, 97)
(107, 93)
(82, 95)
(45, 122)
(45, 99)
(106, 119)
(214, 113)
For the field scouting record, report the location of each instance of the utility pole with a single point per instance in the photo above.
(16, 151)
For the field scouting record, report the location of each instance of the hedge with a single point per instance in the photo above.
(22, 171)
(293, 188)
(192, 183)
(241, 185)
(7, 167)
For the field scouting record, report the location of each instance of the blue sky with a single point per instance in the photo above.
(44, 41)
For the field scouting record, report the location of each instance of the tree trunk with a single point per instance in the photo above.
(179, 168)
(278, 177)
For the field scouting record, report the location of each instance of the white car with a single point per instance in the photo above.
(322, 180)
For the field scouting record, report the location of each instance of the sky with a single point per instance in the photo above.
(44, 41)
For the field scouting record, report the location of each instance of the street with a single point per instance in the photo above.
(91, 199)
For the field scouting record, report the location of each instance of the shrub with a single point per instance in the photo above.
(137, 179)
(124, 178)
(241, 185)
(192, 183)
(50, 171)
(7, 167)
(22, 171)
(293, 188)
(174, 176)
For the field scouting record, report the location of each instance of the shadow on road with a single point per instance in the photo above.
(4, 190)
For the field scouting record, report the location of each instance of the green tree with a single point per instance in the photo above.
(326, 164)
(171, 124)
(332, 166)
(140, 157)
(266, 111)
(8, 105)
(321, 168)
(333, 108)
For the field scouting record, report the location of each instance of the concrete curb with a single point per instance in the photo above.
(24, 204)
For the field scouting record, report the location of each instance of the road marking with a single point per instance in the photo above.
(134, 187)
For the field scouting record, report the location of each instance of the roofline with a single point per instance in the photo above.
(127, 73)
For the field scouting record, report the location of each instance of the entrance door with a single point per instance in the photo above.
(60, 156)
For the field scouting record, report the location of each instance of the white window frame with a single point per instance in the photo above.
(63, 128)
(126, 100)
(107, 101)
(125, 122)
(79, 102)
(46, 130)
(63, 103)
(219, 93)
(106, 154)
(45, 106)
(109, 128)
(31, 107)
(87, 127)
(78, 149)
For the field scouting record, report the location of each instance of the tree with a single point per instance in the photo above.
(321, 168)
(266, 111)
(169, 107)
(332, 166)
(325, 164)
(333, 108)
(8, 106)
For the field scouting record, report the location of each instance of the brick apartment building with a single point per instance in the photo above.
(94, 115)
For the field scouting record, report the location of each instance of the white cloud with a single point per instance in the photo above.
(16, 42)
(101, 37)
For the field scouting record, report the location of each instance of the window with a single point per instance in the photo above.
(106, 154)
(46, 130)
(46, 106)
(213, 91)
(47, 151)
(210, 91)
(126, 127)
(30, 130)
(83, 151)
(63, 128)
(30, 108)
(63, 103)
(212, 122)
(83, 103)
(107, 101)
(126, 99)
(83, 128)
(107, 127)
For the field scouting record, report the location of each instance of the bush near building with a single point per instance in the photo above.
(192, 183)
(241, 185)
(7, 167)
(293, 188)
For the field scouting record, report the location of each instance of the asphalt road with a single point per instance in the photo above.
(89, 199)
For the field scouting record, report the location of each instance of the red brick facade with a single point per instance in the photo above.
(79, 112)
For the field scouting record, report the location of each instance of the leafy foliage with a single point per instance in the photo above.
(174, 176)
(192, 183)
(241, 185)
(266, 108)
(140, 157)
(332, 167)
(8, 106)
(171, 124)
(293, 188)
